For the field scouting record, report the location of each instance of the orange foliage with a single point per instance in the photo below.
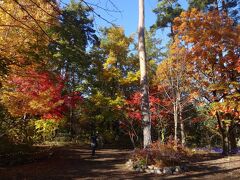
(213, 53)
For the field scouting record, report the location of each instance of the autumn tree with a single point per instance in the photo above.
(171, 76)
(113, 76)
(36, 102)
(27, 22)
(27, 93)
(24, 39)
(213, 59)
(132, 121)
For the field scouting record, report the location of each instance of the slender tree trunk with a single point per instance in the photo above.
(175, 116)
(163, 135)
(70, 90)
(144, 80)
(132, 139)
(183, 140)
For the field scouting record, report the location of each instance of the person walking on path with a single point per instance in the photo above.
(94, 144)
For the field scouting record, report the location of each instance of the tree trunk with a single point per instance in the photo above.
(143, 79)
(183, 140)
(175, 116)
(163, 135)
(132, 139)
(224, 134)
(224, 144)
(232, 141)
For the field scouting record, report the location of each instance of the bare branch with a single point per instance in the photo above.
(98, 15)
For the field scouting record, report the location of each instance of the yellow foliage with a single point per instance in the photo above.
(131, 78)
(23, 24)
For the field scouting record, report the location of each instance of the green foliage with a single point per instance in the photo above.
(166, 11)
(114, 75)
(19, 131)
(45, 129)
(202, 4)
(75, 36)
(154, 53)
(231, 7)
(74, 33)
(201, 129)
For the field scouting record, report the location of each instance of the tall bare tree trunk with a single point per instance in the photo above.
(144, 80)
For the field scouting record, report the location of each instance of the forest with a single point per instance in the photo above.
(62, 80)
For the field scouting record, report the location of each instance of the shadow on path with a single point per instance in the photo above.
(77, 163)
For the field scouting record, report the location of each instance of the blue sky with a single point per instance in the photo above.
(128, 18)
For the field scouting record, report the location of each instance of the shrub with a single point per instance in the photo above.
(160, 155)
(140, 157)
(45, 129)
(168, 154)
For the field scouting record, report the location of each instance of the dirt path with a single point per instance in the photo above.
(221, 168)
(77, 163)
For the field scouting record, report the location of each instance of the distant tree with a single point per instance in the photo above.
(204, 5)
(230, 7)
(166, 11)
(113, 76)
(73, 35)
